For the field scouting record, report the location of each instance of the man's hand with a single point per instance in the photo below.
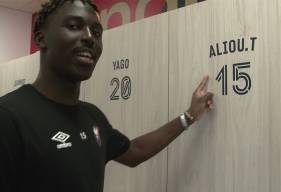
(146, 146)
(202, 100)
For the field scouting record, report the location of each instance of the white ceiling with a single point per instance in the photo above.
(23, 5)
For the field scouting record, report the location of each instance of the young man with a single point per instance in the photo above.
(51, 141)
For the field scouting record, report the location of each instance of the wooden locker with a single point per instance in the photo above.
(15, 73)
(235, 148)
(6, 78)
(130, 85)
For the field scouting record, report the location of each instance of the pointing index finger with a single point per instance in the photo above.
(203, 84)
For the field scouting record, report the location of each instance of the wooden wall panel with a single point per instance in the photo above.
(236, 148)
(145, 45)
(24, 70)
(15, 73)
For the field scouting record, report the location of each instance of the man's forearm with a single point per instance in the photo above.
(146, 146)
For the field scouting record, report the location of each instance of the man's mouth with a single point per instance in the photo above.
(85, 57)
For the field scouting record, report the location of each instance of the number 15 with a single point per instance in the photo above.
(237, 75)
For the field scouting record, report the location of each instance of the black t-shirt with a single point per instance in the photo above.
(50, 147)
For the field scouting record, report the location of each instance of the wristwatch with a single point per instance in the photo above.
(186, 120)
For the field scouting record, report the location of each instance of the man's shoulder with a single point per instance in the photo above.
(19, 101)
(92, 108)
(8, 103)
(88, 105)
(13, 98)
(94, 111)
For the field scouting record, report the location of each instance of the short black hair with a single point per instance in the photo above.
(49, 7)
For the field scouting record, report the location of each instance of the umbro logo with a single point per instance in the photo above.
(62, 138)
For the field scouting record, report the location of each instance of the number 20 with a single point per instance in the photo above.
(125, 88)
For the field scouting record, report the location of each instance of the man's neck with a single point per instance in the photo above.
(62, 92)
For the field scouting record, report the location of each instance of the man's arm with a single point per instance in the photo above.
(146, 146)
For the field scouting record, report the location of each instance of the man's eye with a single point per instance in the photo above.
(97, 34)
(72, 26)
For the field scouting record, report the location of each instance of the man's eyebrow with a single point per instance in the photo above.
(79, 18)
(73, 17)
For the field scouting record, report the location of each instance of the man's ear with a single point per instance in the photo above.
(39, 38)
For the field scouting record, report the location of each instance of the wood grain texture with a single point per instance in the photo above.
(145, 44)
(18, 71)
(23, 70)
(236, 148)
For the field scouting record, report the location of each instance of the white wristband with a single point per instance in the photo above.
(184, 122)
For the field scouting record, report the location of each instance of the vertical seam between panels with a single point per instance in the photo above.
(167, 163)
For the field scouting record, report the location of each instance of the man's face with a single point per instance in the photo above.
(73, 38)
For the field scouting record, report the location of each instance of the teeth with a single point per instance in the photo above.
(85, 54)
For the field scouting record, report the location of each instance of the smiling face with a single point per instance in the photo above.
(72, 39)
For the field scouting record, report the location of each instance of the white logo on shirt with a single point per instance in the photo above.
(62, 138)
(83, 135)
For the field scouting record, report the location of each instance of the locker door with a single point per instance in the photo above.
(235, 148)
(130, 85)
(17, 72)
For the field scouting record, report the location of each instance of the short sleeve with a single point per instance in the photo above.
(10, 152)
(117, 144)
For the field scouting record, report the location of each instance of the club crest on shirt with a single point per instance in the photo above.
(96, 131)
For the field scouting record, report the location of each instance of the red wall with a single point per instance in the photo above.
(115, 19)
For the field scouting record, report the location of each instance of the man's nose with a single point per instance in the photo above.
(87, 39)
(89, 33)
